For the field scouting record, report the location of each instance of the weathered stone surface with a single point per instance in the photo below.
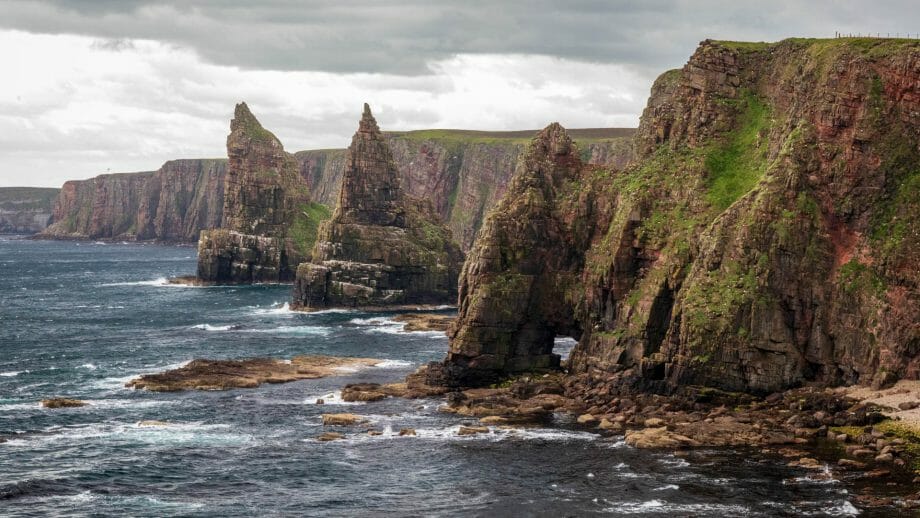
(425, 321)
(381, 247)
(265, 201)
(26, 210)
(248, 373)
(60, 402)
(226, 256)
(512, 289)
(762, 239)
(172, 204)
(462, 173)
(341, 419)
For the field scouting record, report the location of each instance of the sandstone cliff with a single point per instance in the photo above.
(171, 204)
(463, 173)
(382, 247)
(765, 236)
(266, 211)
(25, 210)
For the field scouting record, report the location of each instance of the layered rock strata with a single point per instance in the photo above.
(382, 247)
(25, 210)
(172, 204)
(462, 173)
(266, 209)
(764, 237)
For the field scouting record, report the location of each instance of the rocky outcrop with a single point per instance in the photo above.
(462, 173)
(25, 210)
(762, 239)
(172, 204)
(246, 373)
(266, 211)
(382, 247)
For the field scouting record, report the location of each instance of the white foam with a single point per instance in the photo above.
(10, 374)
(391, 327)
(667, 508)
(331, 398)
(209, 327)
(118, 501)
(451, 434)
(668, 487)
(330, 311)
(159, 281)
(393, 364)
(89, 366)
(293, 330)
(198, 434)
(283, 309)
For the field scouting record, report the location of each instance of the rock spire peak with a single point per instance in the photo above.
(368, 124)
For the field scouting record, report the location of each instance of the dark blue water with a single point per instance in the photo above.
(80, 319)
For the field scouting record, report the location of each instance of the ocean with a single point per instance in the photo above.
(79, 319)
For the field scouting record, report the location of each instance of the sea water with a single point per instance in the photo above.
(80, 319)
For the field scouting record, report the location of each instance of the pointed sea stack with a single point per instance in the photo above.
(264, 202)
(382, 248)
(513, 285)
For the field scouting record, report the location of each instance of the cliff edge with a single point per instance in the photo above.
(764, 238)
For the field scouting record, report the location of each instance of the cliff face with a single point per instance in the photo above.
(462, 173)
(171, 204)
(25, 210)
(763, 238)
(381, 247)
(265, 205)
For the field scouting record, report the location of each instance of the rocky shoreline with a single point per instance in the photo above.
(831, 432)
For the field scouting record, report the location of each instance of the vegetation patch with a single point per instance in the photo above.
(736, 166)
(306, 225)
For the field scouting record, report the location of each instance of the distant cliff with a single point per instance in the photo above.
(25, 210)
(462, 172)
(171, 204)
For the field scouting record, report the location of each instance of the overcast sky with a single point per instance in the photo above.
(96, 86)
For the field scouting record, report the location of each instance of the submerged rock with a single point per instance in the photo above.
(330, 436)
(381, 247)
(63, 403)
(248, 373)
(341, 419)
(425, 321)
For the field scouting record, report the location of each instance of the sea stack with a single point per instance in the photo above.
(382, 247)
(264, 202)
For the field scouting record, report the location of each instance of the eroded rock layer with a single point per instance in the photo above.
(265, 204)
(381, 247)
(462, 173)
(25, 210)
(171, 204)
(765, 237)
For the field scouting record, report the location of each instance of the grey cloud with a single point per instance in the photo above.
(402, 37)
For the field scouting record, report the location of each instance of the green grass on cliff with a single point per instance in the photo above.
(306, 225)
(735, 166)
